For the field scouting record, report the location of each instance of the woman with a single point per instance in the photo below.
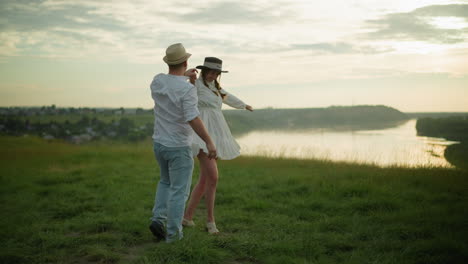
(210, 99)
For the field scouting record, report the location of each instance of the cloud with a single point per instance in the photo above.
(338, 48)
(67, 29)
(138, 31)
(233, 12)
(415, 26)
(8, 42)
(326, 47)
(443, 10)
(36, 16)
(56, 28)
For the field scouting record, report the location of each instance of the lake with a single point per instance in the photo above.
(398, 145)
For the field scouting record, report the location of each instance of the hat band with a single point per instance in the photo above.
(176, 59)
(212, 65)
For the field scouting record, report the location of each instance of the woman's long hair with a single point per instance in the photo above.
(217, 85)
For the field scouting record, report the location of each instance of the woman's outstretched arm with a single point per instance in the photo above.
(235, 102)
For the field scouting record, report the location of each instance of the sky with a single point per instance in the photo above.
(410, 55)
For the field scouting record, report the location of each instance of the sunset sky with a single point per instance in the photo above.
(411, 55)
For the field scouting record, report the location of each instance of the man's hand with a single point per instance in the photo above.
(192, 74)
(248, 107)
(212, 154)
(199, 128)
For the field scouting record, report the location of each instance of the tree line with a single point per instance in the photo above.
(85, 129)
(451, 128)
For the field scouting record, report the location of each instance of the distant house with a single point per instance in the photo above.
(48, 137)
(78, 139)
(130, 111)
(100, 110)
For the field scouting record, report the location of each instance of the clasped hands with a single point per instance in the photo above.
(192, 74)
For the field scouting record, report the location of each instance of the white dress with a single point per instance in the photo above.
(209, 105)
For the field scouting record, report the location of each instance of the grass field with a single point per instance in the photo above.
(65, 203)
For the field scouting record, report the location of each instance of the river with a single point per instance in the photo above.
(397, 146)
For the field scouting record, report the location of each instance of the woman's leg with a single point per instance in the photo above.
(206, 185)
(197, 192)
(211, 176)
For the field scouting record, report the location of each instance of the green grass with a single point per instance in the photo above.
(457, 155)
(64, 203)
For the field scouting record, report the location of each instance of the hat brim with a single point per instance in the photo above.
(202, 67)
(184, 58)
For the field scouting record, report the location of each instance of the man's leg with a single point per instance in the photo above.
(162, 193)
(180, 171)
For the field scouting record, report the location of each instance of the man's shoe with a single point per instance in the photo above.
(158, 230)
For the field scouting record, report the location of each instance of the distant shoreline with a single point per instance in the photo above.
(411, 113)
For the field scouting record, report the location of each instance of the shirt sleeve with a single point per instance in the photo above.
(189, 104)
(232, 101)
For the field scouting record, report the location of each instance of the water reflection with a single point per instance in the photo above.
(386, 147)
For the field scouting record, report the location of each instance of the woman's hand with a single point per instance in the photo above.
(248, 107)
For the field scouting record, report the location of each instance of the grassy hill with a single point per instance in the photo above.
(91, 203)
(434, 114)
(451, 128)
(339, 117)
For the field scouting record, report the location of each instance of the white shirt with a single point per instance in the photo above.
(175, 104)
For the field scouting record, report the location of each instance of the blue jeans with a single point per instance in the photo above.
(176, 166)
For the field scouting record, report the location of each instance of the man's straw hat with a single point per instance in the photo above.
(176, 54)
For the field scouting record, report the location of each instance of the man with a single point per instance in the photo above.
(176, 117)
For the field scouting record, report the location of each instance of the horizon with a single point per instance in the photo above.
(230, 109)
(410, 55)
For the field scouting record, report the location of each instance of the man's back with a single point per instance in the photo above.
(175, 103)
